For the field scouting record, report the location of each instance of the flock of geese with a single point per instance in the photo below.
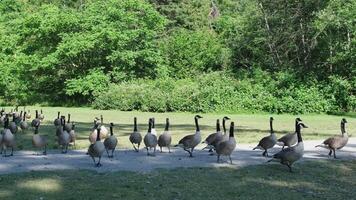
(222, 143)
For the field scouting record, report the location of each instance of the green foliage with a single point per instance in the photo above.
(174, 55)
(215, 92)
(189, 53)
(48, 44)
(95, 81)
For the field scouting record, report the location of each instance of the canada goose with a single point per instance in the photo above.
(268, 141)
(153, 131)
(68, 126)
(226, 135)
(97, 149)
(336, 142)
(57, 121)
(227, 147)
(8, 139)
(18, 118)
(72, 135)
(23, 124)
(64, 137)
(291, 154)
(28, 115)
(41, 116)
(93, 135)
(289, 139)
(13, 127)
(150, 140)
(36, 120)
(110, 142)
(39, 141)
(213, 138)
(59, 129)
(104, 130)
(165, 138)
(135, 136)
(191, 141)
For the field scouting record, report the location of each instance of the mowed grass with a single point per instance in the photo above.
(331, 179)
(250, 127)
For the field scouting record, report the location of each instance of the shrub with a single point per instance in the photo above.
(218, 92)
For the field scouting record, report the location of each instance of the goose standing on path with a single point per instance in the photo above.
(189, 142)
(227, 147)
(289, 139)
(165, 139)
(150, 140)
(336, 142)
(153, 131)
(36, 120)
(268, 141)
(135, 136)
(291, 154)
(68, 126)
(73, 135)
(97, 149)
(8, 139)
(104, 130)
(13, 127)
(110, 142)
(64, 137)
(39, 141)
(57, 121)
(23, 124)
(213, 138)
(226, 135)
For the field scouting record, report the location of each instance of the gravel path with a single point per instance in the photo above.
(25, 161)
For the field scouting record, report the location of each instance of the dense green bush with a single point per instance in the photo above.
(218, 92)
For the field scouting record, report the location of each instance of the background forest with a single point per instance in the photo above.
(280, 56)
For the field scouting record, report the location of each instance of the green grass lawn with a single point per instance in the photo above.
(250, 127)
(330, 179)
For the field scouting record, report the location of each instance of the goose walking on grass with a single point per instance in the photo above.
(97, 149)
(268, 141)
(150, 140)
(135, 137)
(227, 147)
(110, 142)
(291, 154)
(165, 139)
(41, 116)
(39, 141)
(336, 142)
(189, 142)
(289, 139)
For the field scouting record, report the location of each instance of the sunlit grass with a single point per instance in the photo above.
(330, 179)
(250, 127)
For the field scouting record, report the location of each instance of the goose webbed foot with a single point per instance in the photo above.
(98, 164)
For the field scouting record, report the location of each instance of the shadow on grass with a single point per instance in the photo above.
(311, 180)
